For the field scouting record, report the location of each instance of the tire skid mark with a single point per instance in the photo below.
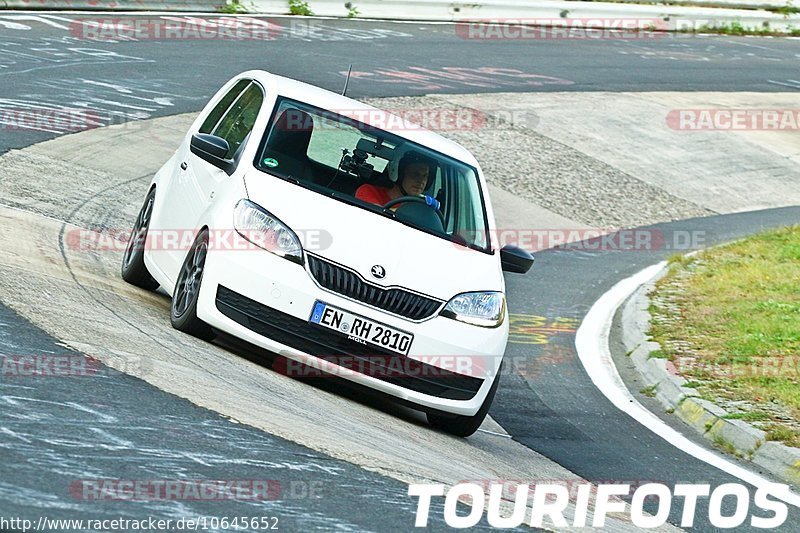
(91, 294)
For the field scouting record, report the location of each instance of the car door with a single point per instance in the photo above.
(196, 182)
(235, 127)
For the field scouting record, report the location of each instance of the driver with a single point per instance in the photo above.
(414, 170)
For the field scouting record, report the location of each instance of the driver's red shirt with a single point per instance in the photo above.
(373, 194)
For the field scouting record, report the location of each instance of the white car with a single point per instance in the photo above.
(338, 236)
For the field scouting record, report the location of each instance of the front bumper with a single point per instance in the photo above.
(266, 300)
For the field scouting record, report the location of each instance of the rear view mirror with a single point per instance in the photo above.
(212, 149)
(378, 149)
(515, 259)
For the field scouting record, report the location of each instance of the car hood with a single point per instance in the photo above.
(359, 239)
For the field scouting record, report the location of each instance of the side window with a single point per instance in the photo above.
(469, 216)
(240, 118)
(222, 106)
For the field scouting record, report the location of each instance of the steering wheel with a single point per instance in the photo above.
(419, 199)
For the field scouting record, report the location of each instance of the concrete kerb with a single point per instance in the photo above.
(660, 377)
(688, 18)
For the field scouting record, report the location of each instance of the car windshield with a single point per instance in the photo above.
(343, 158)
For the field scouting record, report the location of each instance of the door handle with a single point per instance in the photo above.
(184, 165)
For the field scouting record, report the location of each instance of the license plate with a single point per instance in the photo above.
(360, 329)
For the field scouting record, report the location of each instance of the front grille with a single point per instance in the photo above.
(348, 283)
(338, 349)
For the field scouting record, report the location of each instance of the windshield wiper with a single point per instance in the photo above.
(284, 177)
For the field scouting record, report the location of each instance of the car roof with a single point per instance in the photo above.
(373, 116)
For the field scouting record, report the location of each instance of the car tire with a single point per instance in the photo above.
(461, 425)
(183, 310)
(133, 268)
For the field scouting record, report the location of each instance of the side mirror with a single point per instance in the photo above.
(212, 149)
(516, 260)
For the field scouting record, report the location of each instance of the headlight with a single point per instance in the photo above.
(263, 229)
(485, 309)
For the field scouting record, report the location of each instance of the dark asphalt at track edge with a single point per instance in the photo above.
(559, 412)
(114, 426)
(195, 69)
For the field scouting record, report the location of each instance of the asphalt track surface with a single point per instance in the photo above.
(117, 427)
(551, 406)
(555, 409)
(59, 66)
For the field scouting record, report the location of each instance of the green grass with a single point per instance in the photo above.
(786, 435)
(650, 391)
(657, 354)
(737, 28)
(738, 306)
(727, 446)
(235, 7)
(352, 11)
(300, 7)
(750, 416)
(785, 10)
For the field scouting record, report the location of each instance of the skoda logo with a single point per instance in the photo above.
(378, 272)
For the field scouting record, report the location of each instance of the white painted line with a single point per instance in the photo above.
(504, 435)
(14, 25)
(56, 17)
(15, 125)
(34, 18)
(591, 342)
(795, 85)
